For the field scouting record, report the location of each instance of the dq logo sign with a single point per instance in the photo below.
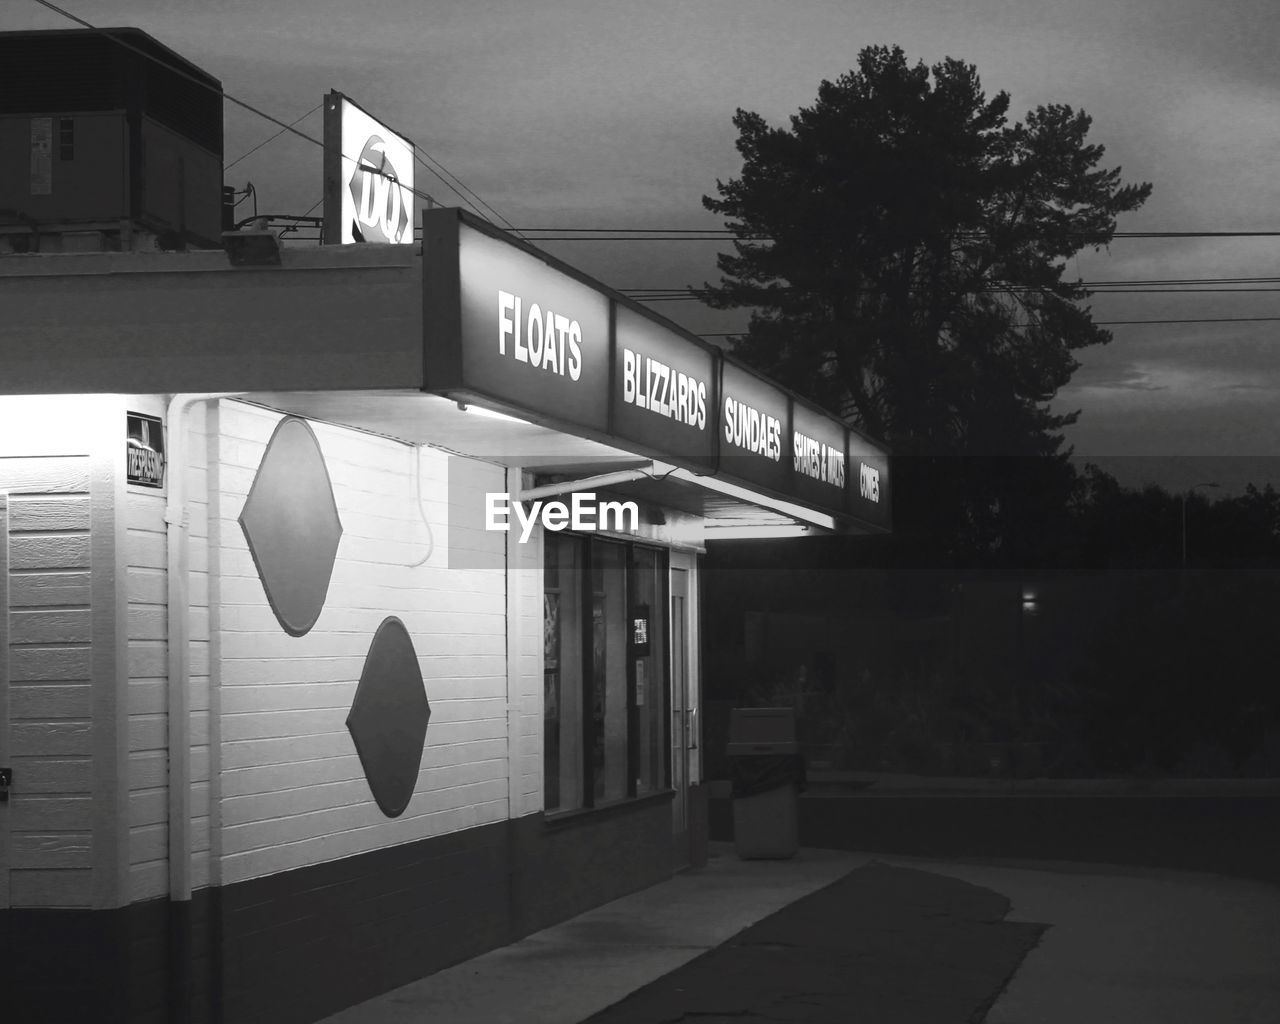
(381, 213)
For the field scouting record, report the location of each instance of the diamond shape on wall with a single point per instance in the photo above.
(291, 523)
(389, 716)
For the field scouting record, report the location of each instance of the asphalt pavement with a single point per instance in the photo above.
(839, 936)
(887, 944)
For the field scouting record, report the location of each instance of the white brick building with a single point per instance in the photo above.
(195, 828)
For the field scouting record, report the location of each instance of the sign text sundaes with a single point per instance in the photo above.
(745, 427)
(544, 339)
(818, 460)
(650, 384)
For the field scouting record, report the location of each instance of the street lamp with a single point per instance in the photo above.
(1184, 516)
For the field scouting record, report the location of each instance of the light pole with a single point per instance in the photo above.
(1184, 496)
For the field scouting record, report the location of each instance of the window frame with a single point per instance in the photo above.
(586, 802)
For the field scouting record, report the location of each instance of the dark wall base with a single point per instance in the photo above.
(304, 943)
(699, 824)
(298, 946)
(149, 963)
(571, 865)
(59, 963)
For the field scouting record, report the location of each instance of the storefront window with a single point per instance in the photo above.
(649, 654)
(609, 671)
(562, 672)
(605, 685)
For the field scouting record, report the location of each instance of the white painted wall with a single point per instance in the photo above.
(292, 788)
(55, 468)
(144, 586)
(145, 591)
(275, 779)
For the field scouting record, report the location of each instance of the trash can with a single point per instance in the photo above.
(768, 773)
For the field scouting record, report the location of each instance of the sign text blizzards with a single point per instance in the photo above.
(648, 383)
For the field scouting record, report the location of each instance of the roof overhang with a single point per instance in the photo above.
(555, 462)
(511, 328)
(434, 347)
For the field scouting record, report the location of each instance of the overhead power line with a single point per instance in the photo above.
(1097, 323)
(719, 234)
(1019, 291)
(472, 199)
(227, 167)
(1169, 286)
(1127, 282)
(460, 188)
(1203, 320)
(176, 70)
(422, 157)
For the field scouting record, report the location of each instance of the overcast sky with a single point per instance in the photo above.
(617, 114)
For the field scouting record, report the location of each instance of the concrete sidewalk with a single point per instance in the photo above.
(833, 936)
(568, 972)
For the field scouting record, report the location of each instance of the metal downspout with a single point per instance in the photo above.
(177, 519)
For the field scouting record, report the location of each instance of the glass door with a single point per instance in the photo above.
(680, 712)
(605, 683)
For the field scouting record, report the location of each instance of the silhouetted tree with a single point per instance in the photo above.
(902, 247)
(1112, 526)
(1242, 531)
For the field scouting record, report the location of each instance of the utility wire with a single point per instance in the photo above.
(1171, 286)
(1097, 323)
(420, 155)
(1177, 291)
(187, 76)
(461, 189)
(227, 167)
(1205, 320)
(293, 228)
(177, 71)
(1128, 282)
(1022, 291)
(571, 234)
(719, 235)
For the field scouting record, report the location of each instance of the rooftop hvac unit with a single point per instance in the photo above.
(109, 136)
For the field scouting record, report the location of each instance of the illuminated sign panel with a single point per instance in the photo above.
(504, 321)
(532, 336)
(368, 177)
(754, 420)
(869, 490)
(664, 390)
(817, 453)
